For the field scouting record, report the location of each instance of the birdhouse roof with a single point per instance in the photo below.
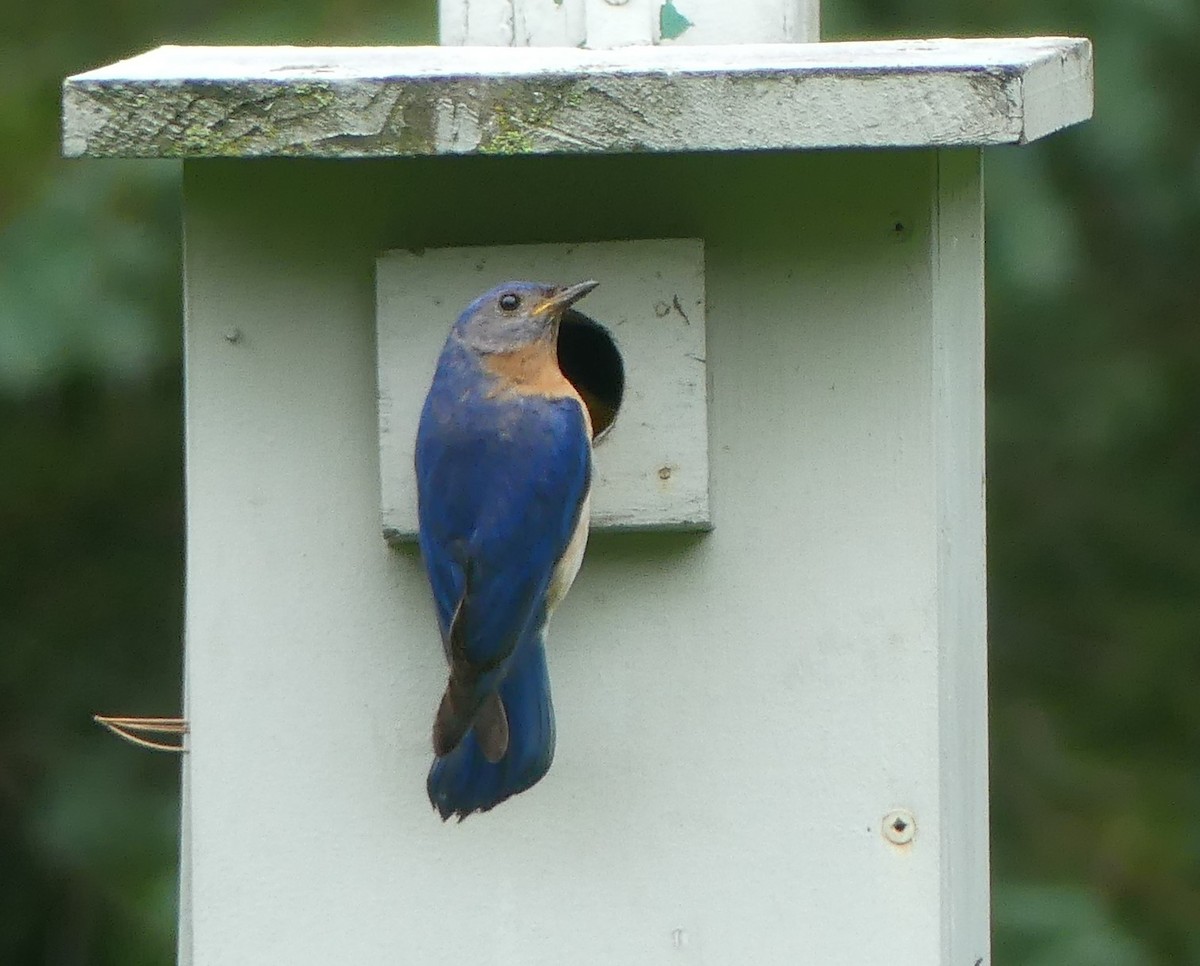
(360, 102)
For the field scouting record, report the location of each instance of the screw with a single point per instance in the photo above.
(233, 336)
(664, 473)
(899, 826)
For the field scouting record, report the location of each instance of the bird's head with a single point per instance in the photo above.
(517, 314)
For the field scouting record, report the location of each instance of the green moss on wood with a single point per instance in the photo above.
(508, 140)
(211, 120)
(311, 97)
(520, 115)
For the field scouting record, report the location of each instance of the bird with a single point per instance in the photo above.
(504, 470)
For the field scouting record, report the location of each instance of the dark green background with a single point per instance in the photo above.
(1093, 452)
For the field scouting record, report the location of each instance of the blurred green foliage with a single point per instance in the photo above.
(1094, 482)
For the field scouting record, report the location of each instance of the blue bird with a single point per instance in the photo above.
(503, 462)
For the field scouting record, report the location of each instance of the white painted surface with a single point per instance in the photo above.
(1053, 91)
(737, 710)
(380, 102)
(610, 24)
(601, 24)
(300, 64)
(958, 430)
(547, 25)
(481, 22)
(663, 424)
(747, 21)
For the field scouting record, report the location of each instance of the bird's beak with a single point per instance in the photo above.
(565, 297)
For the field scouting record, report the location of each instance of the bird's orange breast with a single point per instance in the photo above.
(533, 371)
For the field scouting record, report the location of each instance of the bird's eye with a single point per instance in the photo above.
(510, 301)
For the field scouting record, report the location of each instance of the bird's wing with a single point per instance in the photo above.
(499, 499)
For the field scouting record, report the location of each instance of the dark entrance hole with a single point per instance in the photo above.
(589, 358)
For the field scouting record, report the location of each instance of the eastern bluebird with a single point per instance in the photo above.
(503, 461)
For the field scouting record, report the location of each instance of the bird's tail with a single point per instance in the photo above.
(465, 781)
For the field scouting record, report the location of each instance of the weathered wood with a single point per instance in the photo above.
(199, 102)
(619, 24)
(651, 471)
(600, 24)
(480, 22)
(742, 22)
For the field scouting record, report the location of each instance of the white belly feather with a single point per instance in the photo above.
(568, 565)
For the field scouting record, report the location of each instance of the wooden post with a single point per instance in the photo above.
(600, 24)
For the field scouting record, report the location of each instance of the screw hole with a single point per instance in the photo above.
(898, 827)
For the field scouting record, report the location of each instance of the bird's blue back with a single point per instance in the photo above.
(499, 484)
(501, 478)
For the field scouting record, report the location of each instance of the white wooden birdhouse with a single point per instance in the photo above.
(770, 678)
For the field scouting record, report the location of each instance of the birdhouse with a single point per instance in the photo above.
(770, 676)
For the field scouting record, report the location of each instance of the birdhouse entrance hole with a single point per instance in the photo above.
(589, 358)
(638, 347)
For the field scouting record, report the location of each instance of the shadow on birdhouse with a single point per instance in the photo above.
(589, 358)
